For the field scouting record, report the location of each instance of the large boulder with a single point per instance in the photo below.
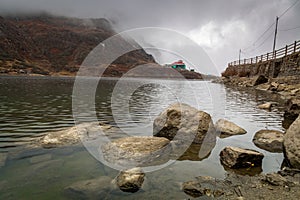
(89, 189)
(227, 128)
(137, 151)
(270, 140)
(183, 122)
(130, 180)
(260, 80)
(235, 157)
(291, 144)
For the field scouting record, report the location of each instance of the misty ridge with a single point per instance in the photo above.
(45, 44)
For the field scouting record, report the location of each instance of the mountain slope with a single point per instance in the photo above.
(49, 45)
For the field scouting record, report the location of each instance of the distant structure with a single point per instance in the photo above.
(177, 65)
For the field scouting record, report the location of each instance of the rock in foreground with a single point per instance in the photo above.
(204, 186)
(291, 144)
(183, 122)
(235, 157)
(130, 180)
(89, 189)
(227, 128)
(279, 185)
(270, 140)
(137, 151)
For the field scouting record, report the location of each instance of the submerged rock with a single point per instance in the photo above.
(183, 122)
(40, 158)
(270, 140)
(89, 189)
(227, 128)
(137, 151)
(195, 152)
(3, 157)
(266, 106)
(72, 135)
(235, 157)
(130, 180)
(291, 144)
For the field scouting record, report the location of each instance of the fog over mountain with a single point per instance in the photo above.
(221, 28)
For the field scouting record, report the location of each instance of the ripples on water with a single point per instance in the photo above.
(32, 106)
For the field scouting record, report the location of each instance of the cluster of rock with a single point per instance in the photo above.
(283, 185)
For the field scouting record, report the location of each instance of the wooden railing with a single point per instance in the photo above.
(279, 53)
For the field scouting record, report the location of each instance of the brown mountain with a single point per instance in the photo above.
(52, 45)
(44, 44)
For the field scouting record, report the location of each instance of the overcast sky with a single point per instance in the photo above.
(220, 27)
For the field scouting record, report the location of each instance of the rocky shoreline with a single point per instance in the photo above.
(286, 88)
(195, 128)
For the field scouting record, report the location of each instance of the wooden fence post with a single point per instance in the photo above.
(251, 61)
(267, 56)
(295, 45)
(244, 61)
(275, 54)
(256, 59)
(286, 47)
(261, 58)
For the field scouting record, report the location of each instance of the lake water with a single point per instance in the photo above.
(33, 106)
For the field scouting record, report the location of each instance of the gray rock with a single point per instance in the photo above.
(183, 122)
(137, 151)
(227, 128)
(72, 135)
(204, 186)
(3, 157)
(235, 157)
(292, 111)
(263, 87)
(259, 80)
(291, 144)
(276, 179)
(270, 140)
(266, 106)
(89, 189)
(130, 180)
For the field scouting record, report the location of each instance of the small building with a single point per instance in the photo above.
(178, 65)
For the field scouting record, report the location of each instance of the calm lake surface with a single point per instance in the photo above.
(33, 106)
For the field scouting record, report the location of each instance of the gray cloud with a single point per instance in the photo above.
(221, 27)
